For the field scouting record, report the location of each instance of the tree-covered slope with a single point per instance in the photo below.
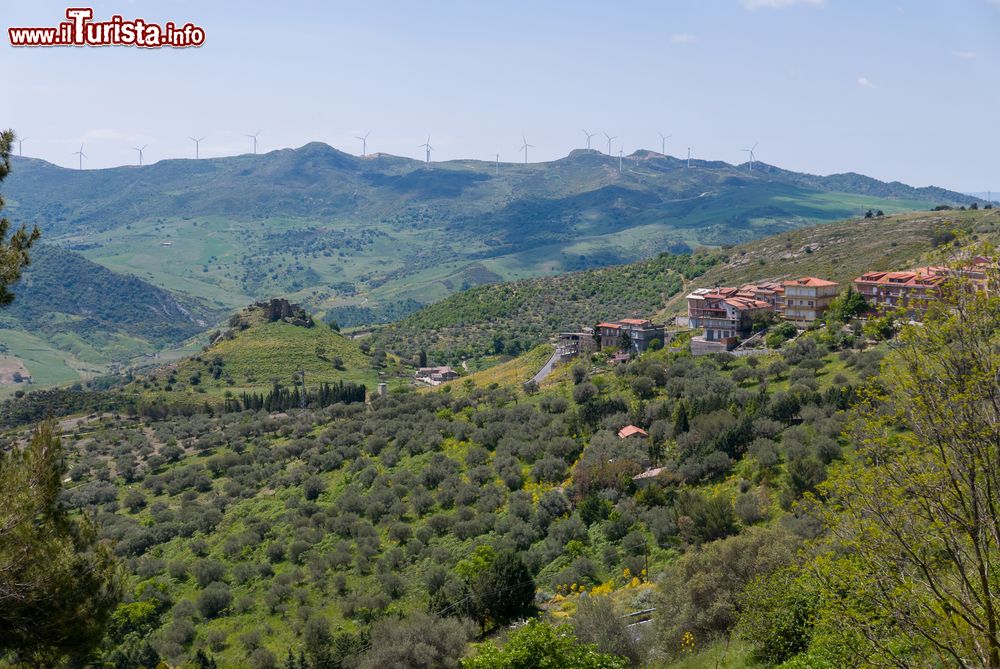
(61, 285)
(507, 318)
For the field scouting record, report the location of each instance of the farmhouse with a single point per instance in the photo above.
(631, 431)
(436, 375)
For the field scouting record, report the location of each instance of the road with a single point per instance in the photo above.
(547, 369)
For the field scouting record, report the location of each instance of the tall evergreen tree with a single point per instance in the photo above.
(58, 583)
(13, 251)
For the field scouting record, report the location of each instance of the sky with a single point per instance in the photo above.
(902, 91)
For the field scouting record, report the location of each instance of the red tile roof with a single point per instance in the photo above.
(630, 430)
(810, 281)
(634, 321)
(613, 326)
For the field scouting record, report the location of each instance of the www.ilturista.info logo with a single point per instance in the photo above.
(80, 30)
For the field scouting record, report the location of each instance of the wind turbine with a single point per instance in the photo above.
(427, 147)
(663, 142)
(689, 156)
(364, 143)
(620, 152)
(140, 152)
(254, 138)
(609, 142)
(498, 163)
(81, 154)
(19, 142)
(525, 147)
(589, 135)
(197, 146)
(750, 151)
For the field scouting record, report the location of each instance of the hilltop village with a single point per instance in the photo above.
(736, 319)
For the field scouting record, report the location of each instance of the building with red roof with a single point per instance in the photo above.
(808, 298)
(911, 290)
(631, 431)
(639, 332)
(725, 315)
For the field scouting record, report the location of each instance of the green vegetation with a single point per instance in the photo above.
(538, 644)
(58, 584)
(366, 240)
(13, 251)
(260, 356)
(243, 531)
(825, 504)
(508, 318)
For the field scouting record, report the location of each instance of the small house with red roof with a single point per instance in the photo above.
(631, 431)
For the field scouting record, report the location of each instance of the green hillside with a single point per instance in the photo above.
(253, 353)
(369, 239)
(75, 318)
(327, 531)
(253, 529)
(506, 318)
(844, 250)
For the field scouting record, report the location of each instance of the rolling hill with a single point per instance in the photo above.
(486, 320)
(370, 239)
(74, 318)
(263, 346)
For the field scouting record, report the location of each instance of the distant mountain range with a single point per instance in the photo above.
(372, 239)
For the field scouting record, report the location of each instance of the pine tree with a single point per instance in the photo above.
(58, 583)
(13, 251)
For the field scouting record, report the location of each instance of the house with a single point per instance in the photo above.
(911, 290)
(572, 344)
(640, 332)
(436, 375)
(631, 431)
(609, 334)
(725, 315)
(806, 299)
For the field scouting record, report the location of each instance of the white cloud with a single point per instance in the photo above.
(754, 5)
(865, 82)
(967, 55)
(683, 38)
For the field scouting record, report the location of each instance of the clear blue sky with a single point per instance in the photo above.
(897, 90)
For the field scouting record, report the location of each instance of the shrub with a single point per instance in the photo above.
(597, 622)
(702, 592)
(214, 599)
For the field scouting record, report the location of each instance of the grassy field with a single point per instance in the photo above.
(46, 364)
